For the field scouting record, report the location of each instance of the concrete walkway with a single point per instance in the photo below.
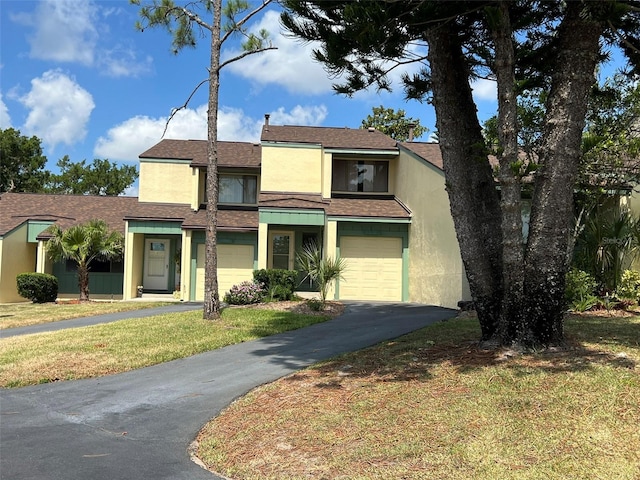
(139, 424)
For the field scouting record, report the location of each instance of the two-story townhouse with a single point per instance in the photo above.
(357, 193)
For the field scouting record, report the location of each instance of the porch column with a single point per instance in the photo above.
(263, 237)
(41, 257)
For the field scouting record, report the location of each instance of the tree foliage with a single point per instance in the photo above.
(518, 288)
(219, 23)
(394, 123)
(99, 178)
(83, 244)
(21, 162)
(22, 169)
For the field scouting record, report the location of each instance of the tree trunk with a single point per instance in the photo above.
(473, 197)
(552, 208)
(509, 176)
(83, 282)
(211, 298)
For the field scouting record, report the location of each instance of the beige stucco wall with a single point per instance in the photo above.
(16, 256)
(291, 169)
(436, 273)
(166, 182)
(133, 262)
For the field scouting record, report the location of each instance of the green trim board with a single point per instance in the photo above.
(314, 146)
(346, 151)
(291, 216)
(362, 229)
(35, 228)
(166, 160)
(155, 227)
(336, 218)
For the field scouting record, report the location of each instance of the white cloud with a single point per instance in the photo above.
(132, 137)
(485, 90)
(5, 119)
(290, 66)
(64, 31)
(299, 115)
(123, 62)
(59, 109)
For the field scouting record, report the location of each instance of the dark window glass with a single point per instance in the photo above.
(238, 189)
(360, 176)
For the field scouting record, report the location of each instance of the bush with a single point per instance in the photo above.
(38, 287)
(629, 287)
(315, 304)
(579, 286)
(245, 293)
(279, 284)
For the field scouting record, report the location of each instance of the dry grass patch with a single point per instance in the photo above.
(431, 405)
(23, 314)
(128, 344)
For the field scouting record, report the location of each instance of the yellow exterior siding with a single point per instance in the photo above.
(436, 272)
(16, 256)
(289, 169)
(166, 182)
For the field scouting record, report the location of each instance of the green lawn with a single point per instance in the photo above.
(129, 344)
(431, 405)
(23, 314)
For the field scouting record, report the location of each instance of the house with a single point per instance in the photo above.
(379, 204)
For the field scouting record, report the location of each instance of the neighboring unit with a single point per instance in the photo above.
(357, 193)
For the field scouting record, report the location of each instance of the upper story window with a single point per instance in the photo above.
(360, 176)
(238, 189)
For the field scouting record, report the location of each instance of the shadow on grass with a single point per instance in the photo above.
(592, 341)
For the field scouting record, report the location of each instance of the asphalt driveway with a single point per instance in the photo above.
(139, 424)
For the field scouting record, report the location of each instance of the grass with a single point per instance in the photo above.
(431, 405)
(128, 344)
(24, 314)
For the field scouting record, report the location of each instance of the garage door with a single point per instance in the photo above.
(235, 265)
(374, 268)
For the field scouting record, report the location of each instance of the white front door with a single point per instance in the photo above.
(156, 264)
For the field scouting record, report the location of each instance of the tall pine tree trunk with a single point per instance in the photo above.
(552, 209)
(211, 297)
(509, 176)
(473, 197)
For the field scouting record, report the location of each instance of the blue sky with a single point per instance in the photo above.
(76, 74)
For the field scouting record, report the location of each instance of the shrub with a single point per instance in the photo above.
(579, 285)
(245, 293)
(279, 284)
(38, 287)
(316, 304)
(629, 287)
(584, 304)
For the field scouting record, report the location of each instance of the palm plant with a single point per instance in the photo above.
(605, 246)
(83, 244)
(323, 271)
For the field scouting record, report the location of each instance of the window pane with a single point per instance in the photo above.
(281, 261)
(250, 189)
(231, 189)
(281, 244)
(360, 176)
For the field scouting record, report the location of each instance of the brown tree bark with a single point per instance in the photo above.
(211, 297)
(509, 176)
(472, 191)
(552, 208)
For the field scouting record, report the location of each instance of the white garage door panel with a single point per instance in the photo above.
(235, 265)
(374, 268)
